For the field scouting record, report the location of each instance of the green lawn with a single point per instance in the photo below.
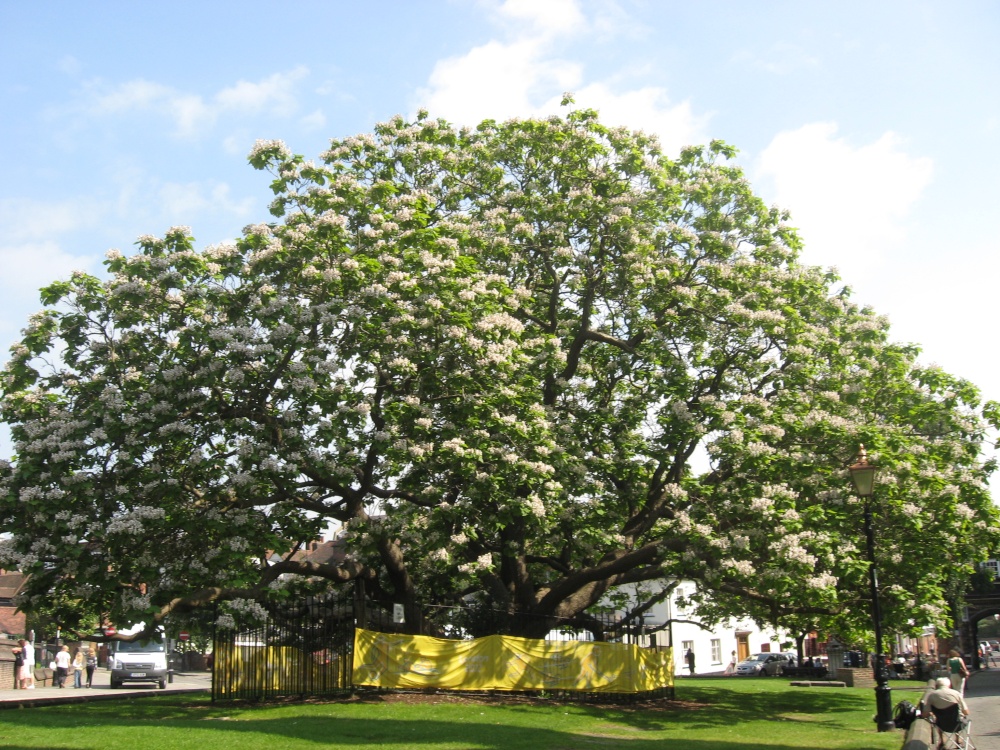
(711, 715)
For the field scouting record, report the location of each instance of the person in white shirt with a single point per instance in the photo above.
(27, 676)
(945, 697)
(63, 660)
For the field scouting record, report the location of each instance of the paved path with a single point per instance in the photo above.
(982, 693)
(185, 682)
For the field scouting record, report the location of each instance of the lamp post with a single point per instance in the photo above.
(863, 476)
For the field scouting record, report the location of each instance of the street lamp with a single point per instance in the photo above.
(863, 476)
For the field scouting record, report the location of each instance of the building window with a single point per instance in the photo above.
(681, 602)
(993, 566)
(716, 651)
(687, 646)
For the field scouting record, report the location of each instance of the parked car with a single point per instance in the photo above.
(762, 665)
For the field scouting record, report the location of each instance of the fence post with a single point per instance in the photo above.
(360, 604)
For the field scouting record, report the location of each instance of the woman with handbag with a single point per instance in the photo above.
(959, 672)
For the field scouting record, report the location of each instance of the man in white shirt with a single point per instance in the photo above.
(944, 696)
(63, 660)
(948, 706)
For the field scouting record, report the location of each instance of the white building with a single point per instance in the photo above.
(713, 649)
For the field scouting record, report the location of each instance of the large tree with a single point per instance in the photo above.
(496, 355)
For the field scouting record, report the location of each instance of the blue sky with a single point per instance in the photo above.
(874, 123)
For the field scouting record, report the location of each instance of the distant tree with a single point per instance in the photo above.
(496, 355)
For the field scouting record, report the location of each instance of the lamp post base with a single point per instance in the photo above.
(883, 705)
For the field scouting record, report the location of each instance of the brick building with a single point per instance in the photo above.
(12, 622)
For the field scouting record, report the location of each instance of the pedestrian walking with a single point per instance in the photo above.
(731, 669)
(959, 672)
(76, 669)
(63, 661)
(90, 659)
(689, 658)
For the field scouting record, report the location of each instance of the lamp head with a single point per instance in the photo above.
(862, 474)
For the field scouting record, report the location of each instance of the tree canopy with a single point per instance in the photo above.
(523, 364)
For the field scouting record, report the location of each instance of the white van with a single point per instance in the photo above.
(138, 661)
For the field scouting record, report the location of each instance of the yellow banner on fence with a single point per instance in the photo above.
(500, 662)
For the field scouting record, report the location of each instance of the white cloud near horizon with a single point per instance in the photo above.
(192, 113)
(497, 80)
(192, 198)
(850, 203)
(525, 76)
(551, 17)
(314, 121)
(27, 267)
(27, 220)
(648, 109)
(781, 58)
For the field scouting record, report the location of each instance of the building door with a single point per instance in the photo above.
(742, 646)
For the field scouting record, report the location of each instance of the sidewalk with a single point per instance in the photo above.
(981, 694)
(184, 682)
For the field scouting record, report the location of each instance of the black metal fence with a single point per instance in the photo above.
(306, 647)
(303, 648)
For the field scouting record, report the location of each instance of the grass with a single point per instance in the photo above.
(710, 715)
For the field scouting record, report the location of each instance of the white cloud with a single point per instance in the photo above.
(524, 77)
(646, 109)
(314, 121)
(31, 252)
(497, 80)
(236, 145)
(780, 59)
(69, 65)
(180, 201)
(192, 113)
(849, 202)
(274, 93)
(547, 18)
(27, 267)
(26, 221)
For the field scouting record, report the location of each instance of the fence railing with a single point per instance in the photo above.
(300, 649)
(306, 647)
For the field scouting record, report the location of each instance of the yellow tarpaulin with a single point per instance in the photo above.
(500, 662)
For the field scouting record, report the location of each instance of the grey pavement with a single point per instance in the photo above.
(981, 694)
(184, 682)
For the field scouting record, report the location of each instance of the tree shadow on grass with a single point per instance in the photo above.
(719, 707)
(536, 727)
(339, 732)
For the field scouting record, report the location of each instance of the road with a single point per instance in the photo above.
(183, 683)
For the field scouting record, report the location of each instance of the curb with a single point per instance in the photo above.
(62, 700)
